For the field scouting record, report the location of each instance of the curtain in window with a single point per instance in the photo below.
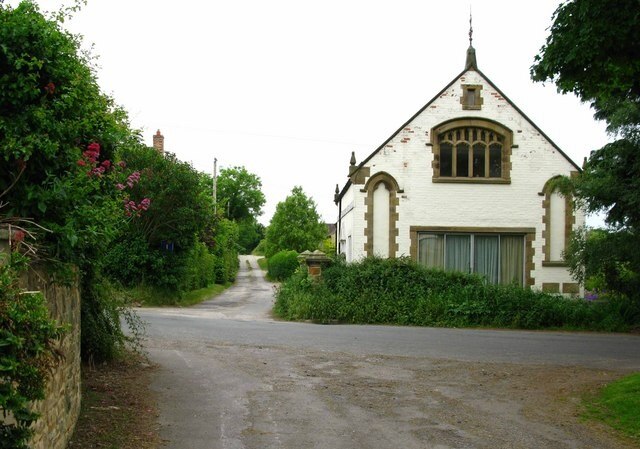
(458, 253)
(431, 250)
(486, 257)
(512, 259)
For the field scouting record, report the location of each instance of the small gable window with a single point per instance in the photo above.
(471, 150)
(471, 97)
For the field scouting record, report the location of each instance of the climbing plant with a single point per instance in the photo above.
(27, 354)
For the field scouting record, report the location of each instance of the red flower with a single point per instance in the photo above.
(18, 236)
(81, 162)
(106, 164)
(50, 88)
(94, 147)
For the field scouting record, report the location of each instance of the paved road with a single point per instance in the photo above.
(232, 377)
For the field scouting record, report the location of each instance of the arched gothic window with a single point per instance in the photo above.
(471, 150)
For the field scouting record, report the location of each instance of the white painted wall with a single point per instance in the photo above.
(557, 232)
(408, 158)
(381, 220)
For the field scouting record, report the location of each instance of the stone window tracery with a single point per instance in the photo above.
(471, 150)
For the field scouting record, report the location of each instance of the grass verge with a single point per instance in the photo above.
(146, 296)
(118, 409)
(618, 405)
(262, 262)
(197, 296)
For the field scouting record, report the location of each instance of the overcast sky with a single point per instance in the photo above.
(289, 89)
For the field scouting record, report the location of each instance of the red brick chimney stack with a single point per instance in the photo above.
(158, 142)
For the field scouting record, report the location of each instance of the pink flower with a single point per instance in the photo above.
(92, 156)
(120, 186)
(94, 147)
(106, 164)
(81, 162)
(145, 203)
(122, 164)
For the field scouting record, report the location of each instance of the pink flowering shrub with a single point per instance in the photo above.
(98, 169)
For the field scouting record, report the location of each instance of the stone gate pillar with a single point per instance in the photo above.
(315, 262)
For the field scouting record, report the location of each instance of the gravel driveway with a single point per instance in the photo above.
(231, 377)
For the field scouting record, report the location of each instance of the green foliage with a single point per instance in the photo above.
(102, 310)
(260, 249)
(295, 225)
(27, 353)
(282, 265)
(58, 139)
(610, 182)
(593, 50)
(250, 234)
(51, 108)
(400, 291)
(618, 404)
(181, 205)
(174, 246)
(225, 248)
(199, 269)
(609, 258)
(239, 194)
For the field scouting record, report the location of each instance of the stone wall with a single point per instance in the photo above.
(61, 406)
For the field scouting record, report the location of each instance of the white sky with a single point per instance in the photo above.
(289, 88)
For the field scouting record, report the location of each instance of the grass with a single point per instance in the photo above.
(152, 297)
(618, 405)
(262, 262)
(197, 296)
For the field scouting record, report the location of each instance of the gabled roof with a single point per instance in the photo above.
(470, 64)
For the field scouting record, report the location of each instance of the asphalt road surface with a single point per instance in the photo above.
(232, 377)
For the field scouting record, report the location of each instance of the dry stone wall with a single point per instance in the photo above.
(61, 406)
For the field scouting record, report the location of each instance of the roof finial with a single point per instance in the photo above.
(470, 28)
(471, 63)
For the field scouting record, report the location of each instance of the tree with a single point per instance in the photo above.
(163, 247)
(593, 51)
(295, 225)
(58, 138)
(250, 234)
(239, 194)
(182, 204)
(240, 199)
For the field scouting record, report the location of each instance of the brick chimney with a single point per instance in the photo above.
(158, 142)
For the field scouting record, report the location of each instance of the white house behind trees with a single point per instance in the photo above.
(464, 185)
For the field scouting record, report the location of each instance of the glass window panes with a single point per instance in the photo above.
(462, 159)
(446, 159)
(495, 160)
(471, 152)
(497, 257)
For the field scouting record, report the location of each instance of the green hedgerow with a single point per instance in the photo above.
(399, 291)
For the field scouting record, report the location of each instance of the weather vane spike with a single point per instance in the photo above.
(470, 28)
